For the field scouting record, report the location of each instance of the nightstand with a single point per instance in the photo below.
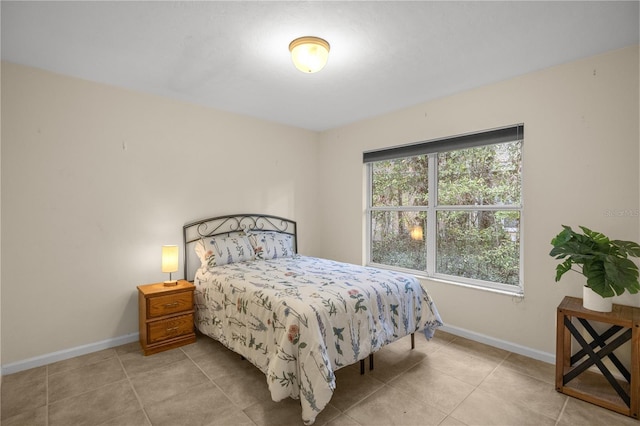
(165, 316)
(573, 377)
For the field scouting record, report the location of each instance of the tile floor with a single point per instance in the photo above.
(448, 381)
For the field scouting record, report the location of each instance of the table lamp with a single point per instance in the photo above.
(170, 263)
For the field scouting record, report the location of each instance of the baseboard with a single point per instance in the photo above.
(502, 344)
(39, 361)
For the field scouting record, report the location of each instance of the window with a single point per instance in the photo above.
(450, 208)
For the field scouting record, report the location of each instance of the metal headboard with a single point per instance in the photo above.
(194, 231)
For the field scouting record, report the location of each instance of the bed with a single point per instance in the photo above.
(296, 318)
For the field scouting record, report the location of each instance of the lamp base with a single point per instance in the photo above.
(170, 283)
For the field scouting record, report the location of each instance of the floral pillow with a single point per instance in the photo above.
(271, 245)
(221, 250)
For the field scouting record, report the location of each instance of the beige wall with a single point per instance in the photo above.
(95, 179)
(580, 168)
(0, 231)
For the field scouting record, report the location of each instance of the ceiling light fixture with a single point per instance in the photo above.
(309, 54)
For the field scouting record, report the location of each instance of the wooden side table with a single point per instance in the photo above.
(165, 316)
(621, 394)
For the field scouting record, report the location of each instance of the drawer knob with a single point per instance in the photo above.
(171, 305)
(172, 329)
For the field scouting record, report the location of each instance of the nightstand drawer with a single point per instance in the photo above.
(170, 304)
(169, 328)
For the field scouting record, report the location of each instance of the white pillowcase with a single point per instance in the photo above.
(271, 244)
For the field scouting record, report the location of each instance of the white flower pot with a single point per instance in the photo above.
(594, 302)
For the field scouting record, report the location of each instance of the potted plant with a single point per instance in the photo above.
(604, 262)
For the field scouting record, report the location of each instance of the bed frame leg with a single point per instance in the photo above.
(370, 362)
(413, 341)
(361, 366)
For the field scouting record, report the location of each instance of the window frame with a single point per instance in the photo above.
(432, 208)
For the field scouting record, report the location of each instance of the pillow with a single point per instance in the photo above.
(271, 244)
(201, 251)
(224, 249)
(198, 247)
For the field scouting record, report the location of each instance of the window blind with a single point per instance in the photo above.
(488, 137)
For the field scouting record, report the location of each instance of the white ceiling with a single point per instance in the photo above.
(384, 55)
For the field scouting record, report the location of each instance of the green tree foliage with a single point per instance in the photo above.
(400, 183)
(471, 241)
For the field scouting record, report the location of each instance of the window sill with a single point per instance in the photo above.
(511, 293)
(516, 293)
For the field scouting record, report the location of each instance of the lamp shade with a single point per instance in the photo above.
(169, 259)
(309, 54)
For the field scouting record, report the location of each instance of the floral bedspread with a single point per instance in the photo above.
(299, 319)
